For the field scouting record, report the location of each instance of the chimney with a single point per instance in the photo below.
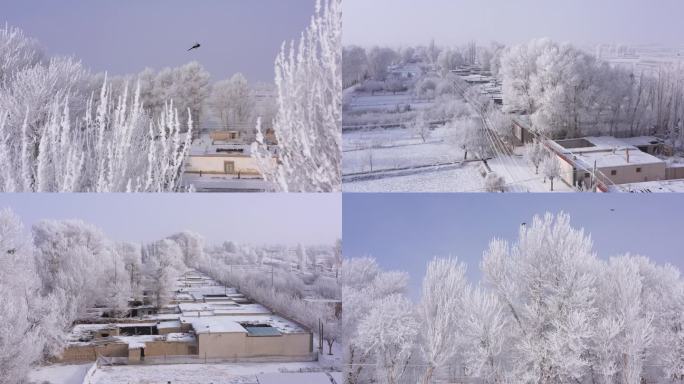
(627, 153)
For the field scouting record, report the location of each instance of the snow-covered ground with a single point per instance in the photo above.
(396, 148)
(520, 175)
(200, 373)
(387, 102)
(465, 178)
(59, 374)
(225, 183)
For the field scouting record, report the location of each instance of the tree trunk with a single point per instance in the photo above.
(428, 374)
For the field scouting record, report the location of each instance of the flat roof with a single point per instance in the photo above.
(662, 186)
(230, 324)
(214, 324)
(605, 151)
(169, 324)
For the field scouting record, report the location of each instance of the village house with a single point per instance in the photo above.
(614, 161)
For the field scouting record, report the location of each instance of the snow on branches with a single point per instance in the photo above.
(548, 311)
(307, 124)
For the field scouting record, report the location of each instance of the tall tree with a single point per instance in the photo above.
(307, 126)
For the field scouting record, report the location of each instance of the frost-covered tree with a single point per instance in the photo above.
(624, 286)
(469, 135)
(17, 52)
(440, 312)
(192, 246)
(379, 60)
(117, 284)
(484, 328)
(21, 345)
(337, 258)
(363, 286)
(494, 182)
(448, 60)
(535, 155)
(307, 126)
(547, 284)
(162, 265)
(551, 168)
(389, 332)
(115, 147)
(301, 258)
(131, 257)
(71, 262)
(354, 65)
(421, 127)
(231, 100)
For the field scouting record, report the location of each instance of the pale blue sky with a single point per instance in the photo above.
(125, 36)
(405, 231)
(249, 218)
(449, 22)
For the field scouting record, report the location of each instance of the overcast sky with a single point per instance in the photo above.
(125, 36)
(450, 22)
(247, 218)
(405, 231)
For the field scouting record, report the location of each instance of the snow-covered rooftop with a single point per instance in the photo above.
(231, 324)
(655, 186)
(214, 324)
(605, 151)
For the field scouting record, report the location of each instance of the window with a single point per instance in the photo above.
(229, 167)
(587, 175)
(638, 170)
(613, 172)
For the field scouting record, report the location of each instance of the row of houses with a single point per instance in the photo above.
(205, 320)
(488, 85)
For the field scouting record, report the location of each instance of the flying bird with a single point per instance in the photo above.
(197, 45)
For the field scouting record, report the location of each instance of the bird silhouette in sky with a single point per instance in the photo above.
(197, 45)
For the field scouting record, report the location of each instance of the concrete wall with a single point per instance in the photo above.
(213, 164)
(672, 173)
(224, 135)
(234, 345)
(567, 170)
(165, 348)
(78, 353)
(628, 173)
(164, 331)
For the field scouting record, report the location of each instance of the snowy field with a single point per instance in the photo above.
(396, 148)
(386, 102)
(465, 178)
(199, 373)
(187, 374)
(399, 148)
